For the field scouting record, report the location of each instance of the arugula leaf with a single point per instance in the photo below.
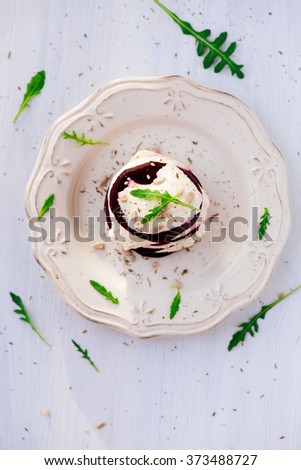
(46, 206)
(264, 222)
(247, 327)
(25, 315)
(204, 44)
(175, 305)
(34, 88)
(85, 355)
(103, 291)
(155, 211)
(165, 197)
(147, 194)
(81, 140)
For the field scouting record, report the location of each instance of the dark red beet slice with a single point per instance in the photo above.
(145, 174)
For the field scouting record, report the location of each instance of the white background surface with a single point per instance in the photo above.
(164, 393)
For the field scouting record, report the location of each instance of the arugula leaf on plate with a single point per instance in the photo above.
(175, 305)
(103, 291)
(81, 140)
(264, 222)
(46, 206)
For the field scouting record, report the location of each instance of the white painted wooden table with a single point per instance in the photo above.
(156, 394)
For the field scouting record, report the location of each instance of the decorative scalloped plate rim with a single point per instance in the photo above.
(225, 310)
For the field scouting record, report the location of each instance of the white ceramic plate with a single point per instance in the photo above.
(215, 135)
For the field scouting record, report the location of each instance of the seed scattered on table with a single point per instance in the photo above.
(99, 246)
(176, 283)
(101, 425)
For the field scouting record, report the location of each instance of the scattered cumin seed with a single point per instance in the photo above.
(281, 437)
(129, 256)
(138, 147)
(213, 216)
(150, 312)
(101, 425)
(9, 55)
(103, 181)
